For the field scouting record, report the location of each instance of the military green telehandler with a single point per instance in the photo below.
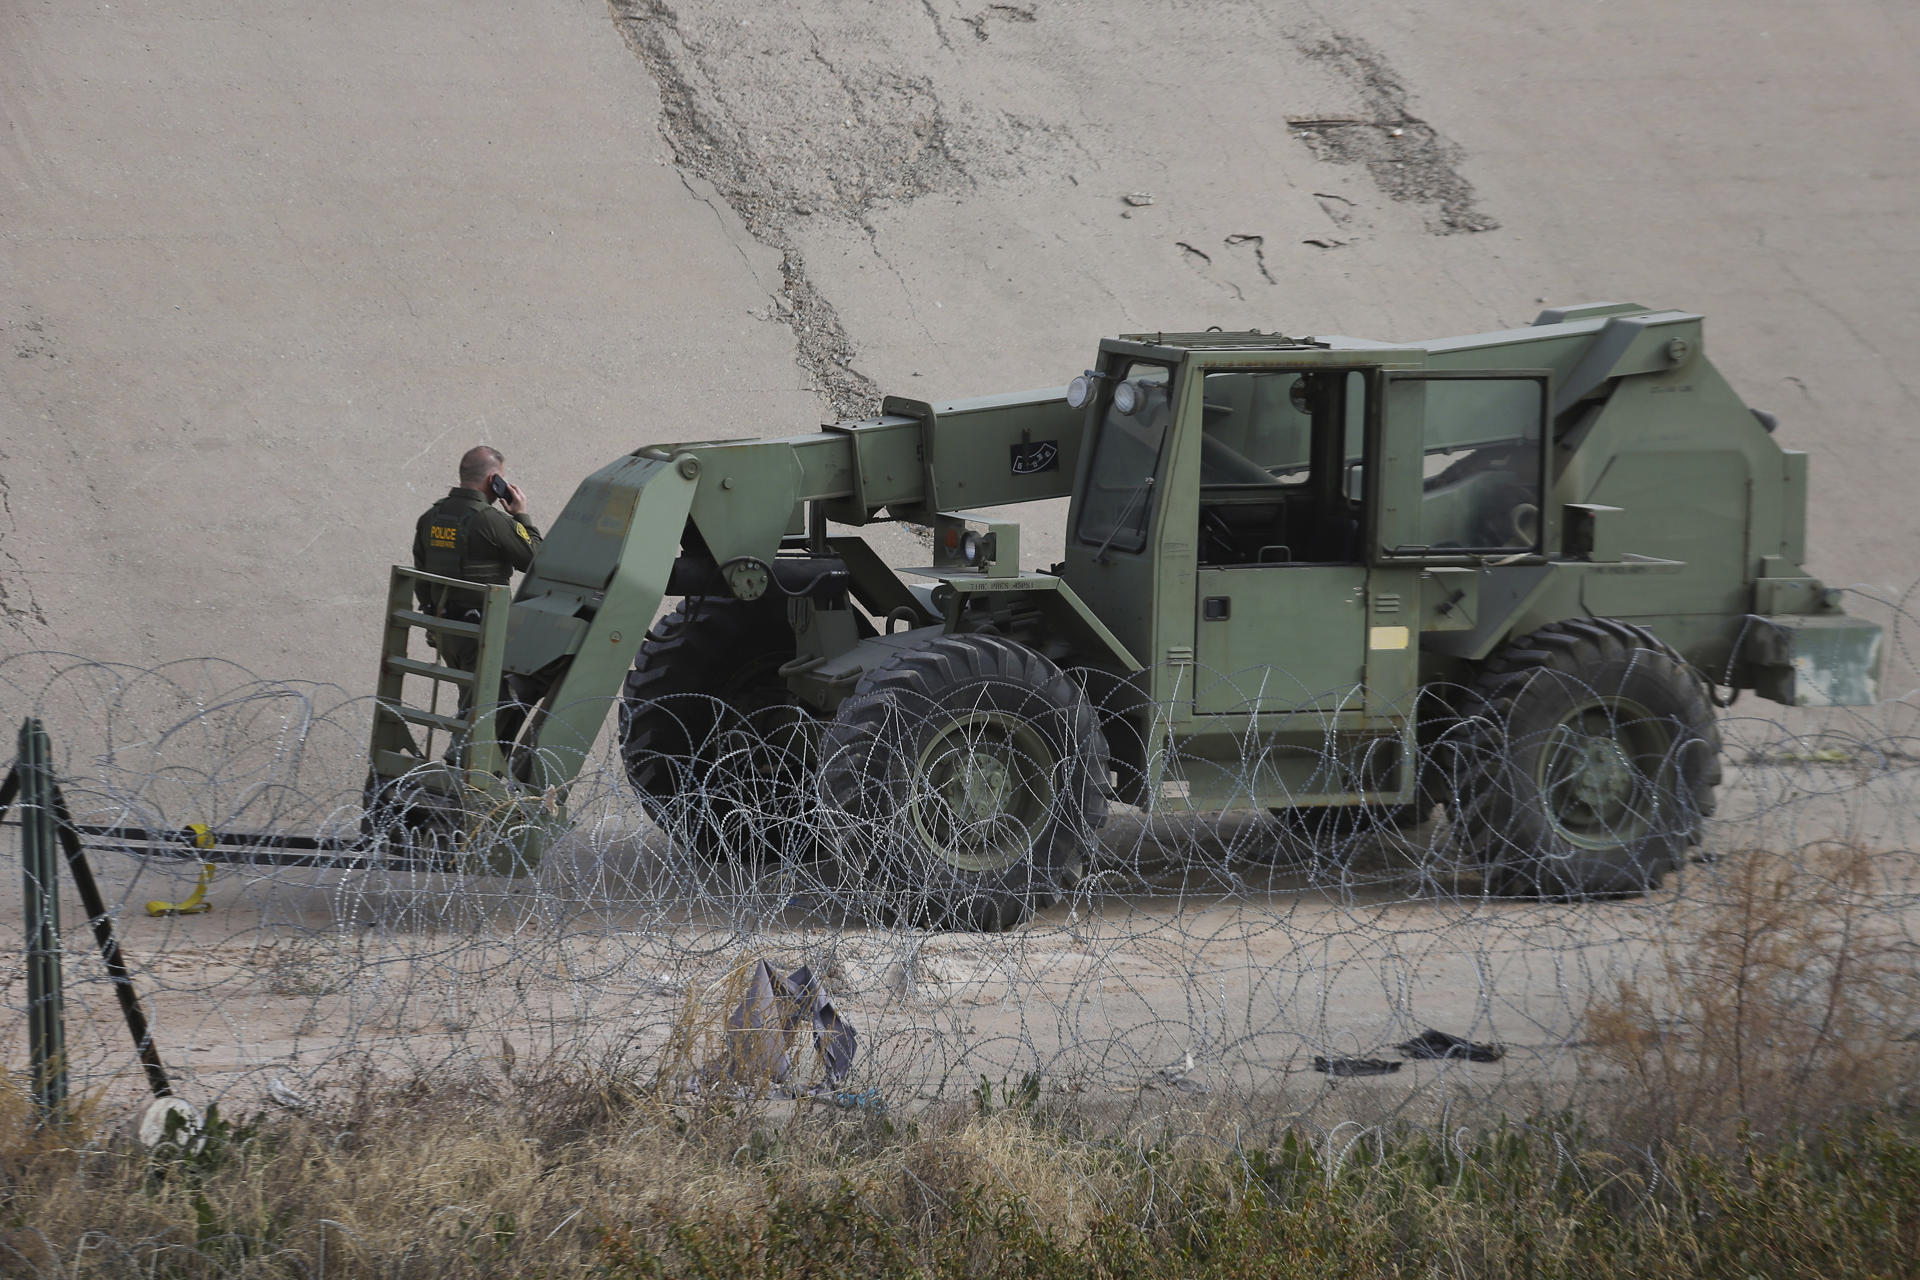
(1509, 574)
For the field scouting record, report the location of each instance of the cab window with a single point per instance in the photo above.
(1281, 458)
(1137, 411)
(1481, 474)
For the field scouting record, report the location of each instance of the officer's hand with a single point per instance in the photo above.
(517, 501)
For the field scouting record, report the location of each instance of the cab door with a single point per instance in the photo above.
(1281, 591)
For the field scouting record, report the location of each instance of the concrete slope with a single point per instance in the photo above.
(264, 277)
(982, 191)
(265, 272)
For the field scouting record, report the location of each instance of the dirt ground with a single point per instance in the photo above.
(1212, 955)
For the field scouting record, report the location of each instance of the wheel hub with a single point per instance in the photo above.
(1594, 772)
(984, 790)
(980, 789)
(1603, 779)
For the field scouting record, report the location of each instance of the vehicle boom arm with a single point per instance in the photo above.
(604, 568)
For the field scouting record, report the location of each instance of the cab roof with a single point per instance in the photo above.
(1175, 347)
(1217, 339)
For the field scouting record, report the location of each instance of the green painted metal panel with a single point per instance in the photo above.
(1678, 504)
(1292, 637)
(1825, 660)
(1093, 643)
(1393, 641)
(647, 505)
(880, 462)
(580, 548)
(482, 755)
(576, 564)
(746, 499)
(1792, 521)
(1314, 764)
(1395, 476)
(996, 450)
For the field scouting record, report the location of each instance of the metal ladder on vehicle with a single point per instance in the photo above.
(476, 753)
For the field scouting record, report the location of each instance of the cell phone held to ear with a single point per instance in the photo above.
(499, 488)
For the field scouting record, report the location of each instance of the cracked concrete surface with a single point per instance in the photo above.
(19, 610)
(707, 140)
(264, 272)
(1407, 158)
(791, 117)
(286, 263)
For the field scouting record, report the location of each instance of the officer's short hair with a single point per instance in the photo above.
(479, 462)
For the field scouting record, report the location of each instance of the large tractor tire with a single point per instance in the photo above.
(1586, 762)
(712, 740)
(966, 776)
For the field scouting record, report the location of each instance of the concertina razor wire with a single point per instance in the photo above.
(1221, 954)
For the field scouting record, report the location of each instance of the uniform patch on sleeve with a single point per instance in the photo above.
(522, 531)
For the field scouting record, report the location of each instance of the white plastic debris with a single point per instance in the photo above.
(157, 1120)
(282, 1096)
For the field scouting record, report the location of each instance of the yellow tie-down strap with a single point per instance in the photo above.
(200, 836)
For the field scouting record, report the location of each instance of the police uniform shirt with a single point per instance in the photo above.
(465, 536)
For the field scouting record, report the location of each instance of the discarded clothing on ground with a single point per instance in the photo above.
(1355, 1066)
(763, 1032)
(1430, 1044)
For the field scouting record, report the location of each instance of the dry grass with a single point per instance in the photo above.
(478, 1177)
(1785, 996)
(552, 1173)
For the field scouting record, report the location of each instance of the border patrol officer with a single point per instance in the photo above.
(463, 536)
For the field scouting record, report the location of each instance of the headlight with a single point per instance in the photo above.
(1127, 397)
(1079, 391)
(977, 550)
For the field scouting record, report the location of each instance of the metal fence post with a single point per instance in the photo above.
(39, 863)
(110, 954)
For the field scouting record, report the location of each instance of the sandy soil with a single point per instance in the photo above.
(1211, 940)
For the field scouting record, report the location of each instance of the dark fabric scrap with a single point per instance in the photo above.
(1431, 1044)
(763, 1028)
(1355, 1066)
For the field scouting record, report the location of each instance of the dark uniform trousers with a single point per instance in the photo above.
(465, 536)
